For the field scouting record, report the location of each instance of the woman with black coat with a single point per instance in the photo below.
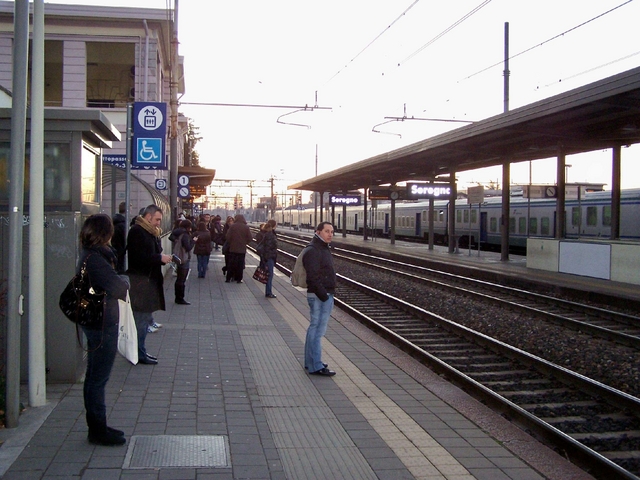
(102, 342)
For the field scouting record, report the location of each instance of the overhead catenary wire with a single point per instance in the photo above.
(445, 31)
(371, 43)
(548, 40)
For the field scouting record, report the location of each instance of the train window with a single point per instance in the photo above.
(522, 225)
(412, 221)
(575, 216)
(544, 226)
(592, 216)
(459, 216)
(424, 216)
(474, 216)
(512, 225)
(533, 226)
(493, 224)
(466, 216)
(606, 215)
(441, 215)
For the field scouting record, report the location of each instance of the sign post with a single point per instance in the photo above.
(149, 136)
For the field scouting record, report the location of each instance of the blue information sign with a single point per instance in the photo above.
(149, 135)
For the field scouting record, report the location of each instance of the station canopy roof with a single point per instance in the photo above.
(596, 116)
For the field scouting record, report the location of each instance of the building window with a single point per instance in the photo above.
(110, 74)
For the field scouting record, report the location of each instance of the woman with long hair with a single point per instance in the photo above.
(102, 341)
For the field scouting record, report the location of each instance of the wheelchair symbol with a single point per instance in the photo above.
(147, 153)
(149, 150)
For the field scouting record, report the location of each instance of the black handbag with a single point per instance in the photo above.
(261, 274)
(81, 303)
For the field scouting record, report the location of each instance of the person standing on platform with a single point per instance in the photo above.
(269, 253)
(145, 273)
(119, 240)
(321, 287)
(225, 248)
(238, 237)
(202, 248)
(102, 342)
(182, 246)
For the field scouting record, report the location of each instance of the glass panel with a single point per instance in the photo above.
(533, 226)
(89, 181)
(466, 216)
(474, 216)
(458, 216)
(522, 225)
(575, 216)
(544, 226)
(592, 216)
(512, 225)
(57, 172)
(606, 215)
(493, 224)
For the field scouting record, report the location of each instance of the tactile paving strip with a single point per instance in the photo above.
(153, 451)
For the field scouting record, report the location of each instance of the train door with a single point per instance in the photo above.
(483, 227)
(386, 223)
(355, 223)
(418, 225)
(339, 223)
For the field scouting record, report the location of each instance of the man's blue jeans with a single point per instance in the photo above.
(143, 320)
(319, 312)
(270, 264)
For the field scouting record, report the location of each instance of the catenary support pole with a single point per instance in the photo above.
(16, 209)
(37, 350)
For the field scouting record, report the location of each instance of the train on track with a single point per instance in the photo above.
(586, 217)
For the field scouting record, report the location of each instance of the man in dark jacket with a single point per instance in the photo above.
(321, 286)
(145, 274)
(238, 237)
(119, 239)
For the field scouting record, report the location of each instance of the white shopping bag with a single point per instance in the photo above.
(127, 332)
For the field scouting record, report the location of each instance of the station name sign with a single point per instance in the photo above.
(428, 190)
(337, 199)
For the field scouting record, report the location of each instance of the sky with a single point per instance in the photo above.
(365, 60)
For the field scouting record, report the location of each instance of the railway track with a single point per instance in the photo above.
(598, 322)
(595, 426)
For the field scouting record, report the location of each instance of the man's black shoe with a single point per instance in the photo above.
(183, 302)
(152, 358)
(270, 295)
(147, 361)
(324, 371)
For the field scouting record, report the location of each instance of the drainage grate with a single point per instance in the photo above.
(153, 451)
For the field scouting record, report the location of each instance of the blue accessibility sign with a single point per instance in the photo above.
(149, 135)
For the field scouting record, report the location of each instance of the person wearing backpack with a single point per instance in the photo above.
(321, 287)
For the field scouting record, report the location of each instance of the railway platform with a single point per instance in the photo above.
(488, 265)
(229, 399)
